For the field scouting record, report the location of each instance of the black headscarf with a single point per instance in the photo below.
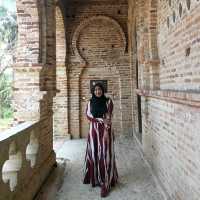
(98, 104)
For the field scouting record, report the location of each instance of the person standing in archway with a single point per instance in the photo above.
(100, 166)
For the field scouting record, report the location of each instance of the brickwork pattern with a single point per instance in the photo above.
(28, 31)
(171, 143)
(170, 116)
(60, 107)
(179, 45)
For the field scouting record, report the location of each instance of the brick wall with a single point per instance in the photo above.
(169, 86)
(178, 43)
(28, 31)
(171, 142)
(113, 92)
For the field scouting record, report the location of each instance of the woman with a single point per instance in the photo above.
(100, 167)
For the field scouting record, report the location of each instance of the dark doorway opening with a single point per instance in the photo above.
(139, 114)
(139, 118)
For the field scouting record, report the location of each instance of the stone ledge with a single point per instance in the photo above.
(25, 160)
(22, 66)
(180, 97)
(16, 130)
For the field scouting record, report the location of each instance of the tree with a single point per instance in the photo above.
(5, 96)
(8, 38)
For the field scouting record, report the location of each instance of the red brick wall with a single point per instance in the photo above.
(170, 120)
(28, 31)
(171, 141)
(178, 70)
(113, 92)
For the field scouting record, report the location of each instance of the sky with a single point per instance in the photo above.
(9, 4)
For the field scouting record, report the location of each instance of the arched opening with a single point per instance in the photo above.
(164, 95)
(33, 92)
(84, 51)
(8, 45)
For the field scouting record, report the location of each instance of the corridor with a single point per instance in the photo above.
(135, 179)
(146, 54)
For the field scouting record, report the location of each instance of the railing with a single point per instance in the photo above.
(25, 161)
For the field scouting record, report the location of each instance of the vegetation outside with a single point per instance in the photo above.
(8, 38)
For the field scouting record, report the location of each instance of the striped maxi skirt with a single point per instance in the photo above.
(100, 166)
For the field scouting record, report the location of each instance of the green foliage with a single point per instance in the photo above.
(7, 113)
(8, 38)
(8, 30)
(5, 96)
(3, 11)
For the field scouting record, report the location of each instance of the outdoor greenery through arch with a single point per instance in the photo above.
(8, 38)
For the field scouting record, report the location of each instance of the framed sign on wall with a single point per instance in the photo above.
(103, 82)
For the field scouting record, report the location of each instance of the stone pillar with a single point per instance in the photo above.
(34, 75)
(26, 93)
(125, 95)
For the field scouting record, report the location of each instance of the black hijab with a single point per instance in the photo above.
(98, 104)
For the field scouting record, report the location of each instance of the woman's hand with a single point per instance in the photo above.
(107, 121)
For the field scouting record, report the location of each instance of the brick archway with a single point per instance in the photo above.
(85, 69)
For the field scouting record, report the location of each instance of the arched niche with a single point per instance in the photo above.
(105, 27)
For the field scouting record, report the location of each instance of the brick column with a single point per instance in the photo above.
(26, 92)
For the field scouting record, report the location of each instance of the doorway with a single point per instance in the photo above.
(139, 109)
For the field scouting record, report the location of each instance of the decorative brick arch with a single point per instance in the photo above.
(116, 64)
(28, 31)
(90, 21)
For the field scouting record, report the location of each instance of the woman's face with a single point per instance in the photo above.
(98, 91)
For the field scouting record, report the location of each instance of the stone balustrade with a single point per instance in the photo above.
(25, 161)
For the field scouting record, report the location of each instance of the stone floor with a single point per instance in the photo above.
(135, 179)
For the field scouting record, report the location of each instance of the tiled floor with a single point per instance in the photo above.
(135, 179)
